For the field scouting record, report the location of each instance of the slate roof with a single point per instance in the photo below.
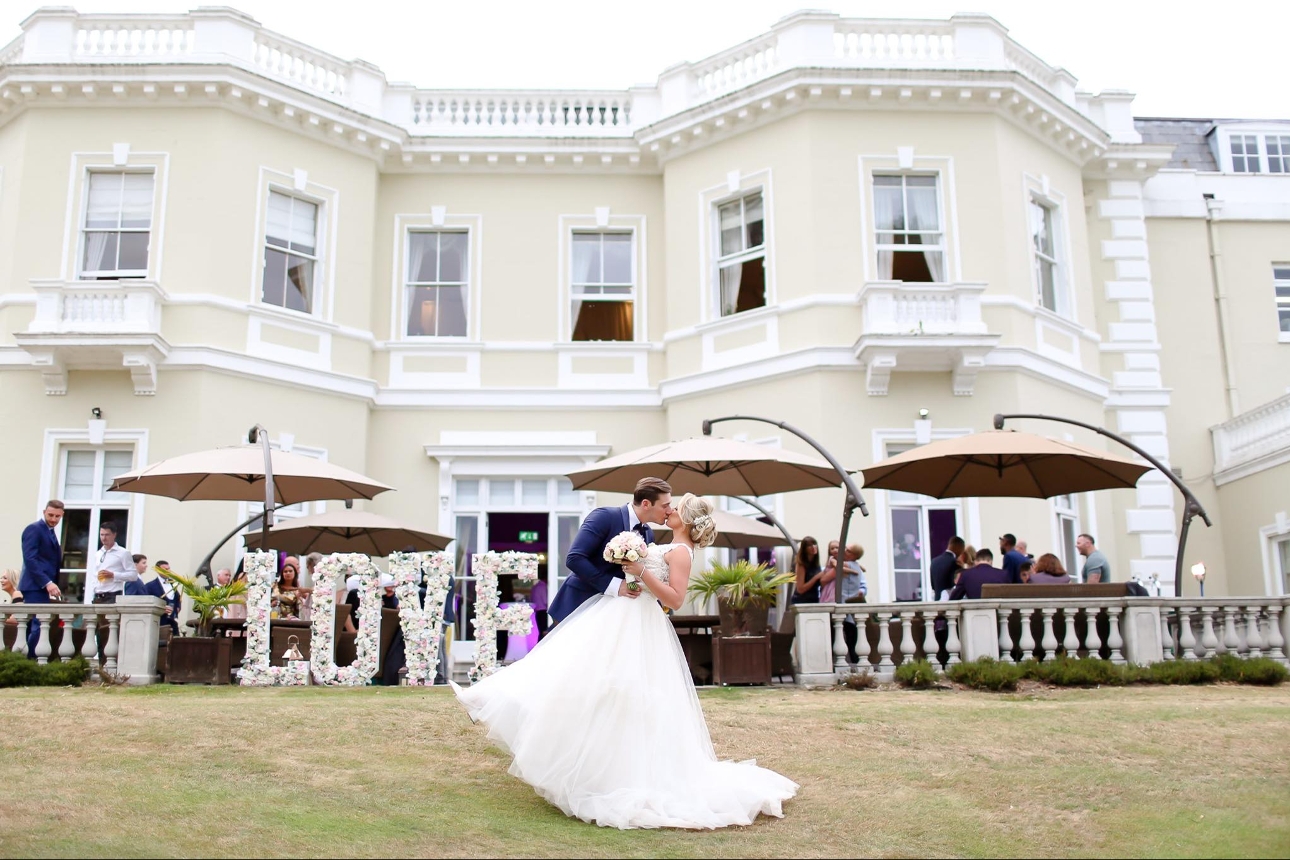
(1190, 138)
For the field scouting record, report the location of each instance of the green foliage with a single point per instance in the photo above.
(918, 674)
(1182, 672)
(206, 601)
(19, 671)
(1263, 671)
(985, 674)
(860, 681)
(1073, 672)
(740, 585)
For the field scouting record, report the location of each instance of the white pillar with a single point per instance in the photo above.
(137, 638)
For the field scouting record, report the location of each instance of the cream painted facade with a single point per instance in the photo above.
(1163, 322)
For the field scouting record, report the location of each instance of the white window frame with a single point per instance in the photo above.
(1221, 143)
(603, 220)
(1248, 159)
(121, 160)
(317, 258)
(409, 284)
(633, 296)
(747, 254)
(297, 184)
(1066, 510)
(906, 161)
(437, 219)
(95, 505)
(737, 184)
(1282, 155)
(1282, 304)
(86, 230)
(1270, 539)
(940, 247)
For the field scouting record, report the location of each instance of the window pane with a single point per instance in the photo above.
(76, 538)
(618, 258)
(754, 219)
(1281, 274)
(467, 492)
(452, 312)
(1283, 556)
(743, 287)
(568, 496)
(467, 544)
(731, 228)
(452, 257)
(114, 464)
(422, 306)
(422, 256)
(501, 492)
(78, 485)
(923, 214)
(1284, 314)
(607, 320)
(136, 200)
(103, 208)
(586, 258)
(730, 276)
(304, 229)
(278, 223)
(534, 491)
(100, 252)
(299, 287)
(1047, 285)
(275, 278)
(134, 252)
(888, 203)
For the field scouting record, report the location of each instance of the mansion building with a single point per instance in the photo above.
(880, 231)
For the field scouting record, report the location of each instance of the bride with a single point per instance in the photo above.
(602, 718)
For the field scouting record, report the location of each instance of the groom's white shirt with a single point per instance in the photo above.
(632, 522)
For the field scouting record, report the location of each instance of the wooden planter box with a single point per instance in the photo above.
(741, 660)
(198, 660)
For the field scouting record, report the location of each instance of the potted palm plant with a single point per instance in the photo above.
(198, 659)
(744, 593)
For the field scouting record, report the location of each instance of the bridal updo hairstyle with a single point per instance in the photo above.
(697, 514)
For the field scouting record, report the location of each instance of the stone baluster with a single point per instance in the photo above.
(885, 666)
(1231, 641)
(1027, 640)
(1208, 641)
(907, 647)
(952, 644)
(1070, 642)
(1276, 642)
(20, 638)
(1005, 636)
(929, 638)
(840, 666)
(1186, 639)
(110, 649)
(20, 630)
(1252, 638)
(90, 647)
(65, 649)
(1166, 637)
(42, 644)
(1092, 640)
(862, 642)
(1114, 640)
(1049, 639)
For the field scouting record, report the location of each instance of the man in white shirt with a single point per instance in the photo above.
(114, 566)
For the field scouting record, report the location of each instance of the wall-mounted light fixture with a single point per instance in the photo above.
(97, 413)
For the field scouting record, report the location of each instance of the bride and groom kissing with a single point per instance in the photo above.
(612, 664)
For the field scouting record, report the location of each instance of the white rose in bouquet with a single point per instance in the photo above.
(627, 547)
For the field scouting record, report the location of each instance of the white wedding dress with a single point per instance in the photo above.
(603, 721)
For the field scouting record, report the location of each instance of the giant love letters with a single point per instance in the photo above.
(421, 625)
(489, 618)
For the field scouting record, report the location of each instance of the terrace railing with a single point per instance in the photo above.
(131, 628)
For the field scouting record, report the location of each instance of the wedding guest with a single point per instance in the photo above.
(1049, 571)
(114, 565)
(9, 587)
(943, 568)
(42, 557)
(1011, 562)
(967, 558)
(808, 572)
(223, 577)
(287, 593)
(1096, 566)
(449, 627)
(355, 600)
(1023, 549)
(311, 569)
(155, 587)
(983, 573)
(1027, 571)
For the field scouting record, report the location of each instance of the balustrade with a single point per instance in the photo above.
(133, 654)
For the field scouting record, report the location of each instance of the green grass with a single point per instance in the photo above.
(192, 771)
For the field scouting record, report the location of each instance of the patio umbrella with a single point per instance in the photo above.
(236, 474)
(736, 532)
(710, 465)
(346, 531)
(1003, 463)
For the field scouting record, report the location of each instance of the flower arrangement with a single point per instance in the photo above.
(330, 570)
(624, 547)
(489, 617)
(256, 671)
(421, 626)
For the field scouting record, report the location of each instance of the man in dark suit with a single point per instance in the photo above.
(154, 587)
(944, 566)
(593, 575)
(42, 558)
(1012, 559)
(971, 580)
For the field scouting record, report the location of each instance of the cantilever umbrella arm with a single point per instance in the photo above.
(1191, 508)
(774, 520)
(257, 435)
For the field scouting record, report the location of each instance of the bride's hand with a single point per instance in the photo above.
(635, 568)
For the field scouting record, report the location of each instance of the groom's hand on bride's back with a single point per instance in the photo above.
(623, 591)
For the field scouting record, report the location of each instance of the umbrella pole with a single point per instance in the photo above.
(258, 434)
(1192, 505)
(205, 566)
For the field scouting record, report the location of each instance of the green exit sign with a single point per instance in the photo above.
(528, 537)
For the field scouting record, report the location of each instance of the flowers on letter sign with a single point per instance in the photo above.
(421, 626)
(332, 569)
(489, 618)
(256, 671)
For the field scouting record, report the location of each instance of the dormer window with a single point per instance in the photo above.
(1246, 149)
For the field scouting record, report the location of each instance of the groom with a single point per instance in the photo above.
(593, 575)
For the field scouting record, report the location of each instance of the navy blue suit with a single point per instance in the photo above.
(971, 580)
(41, 559)
(154, 588)
(591, 573)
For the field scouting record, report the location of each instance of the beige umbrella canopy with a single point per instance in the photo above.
(236, 474)
(710, 466)
(1003, 463)
(736, 532)
(346, 531)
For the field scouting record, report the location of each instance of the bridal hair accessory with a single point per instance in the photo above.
(627, 547)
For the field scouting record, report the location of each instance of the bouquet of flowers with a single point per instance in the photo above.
(625, 547)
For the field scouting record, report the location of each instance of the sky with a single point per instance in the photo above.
(1181, 58)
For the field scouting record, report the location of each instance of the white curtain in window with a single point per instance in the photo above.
(885, 209)
(136, 200)
(586, 258)
(96, 252)
(419, 245)
(453, 248)
(278, 224)
(923, 216)
(103, 208)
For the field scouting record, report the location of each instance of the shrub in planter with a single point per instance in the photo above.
(744, 593)
(986, 674)
(917, 674)
(1263, 671)
(19, 671)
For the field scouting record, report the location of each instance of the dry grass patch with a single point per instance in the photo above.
(380, 772)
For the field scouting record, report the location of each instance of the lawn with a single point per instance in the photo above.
(200, 771)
